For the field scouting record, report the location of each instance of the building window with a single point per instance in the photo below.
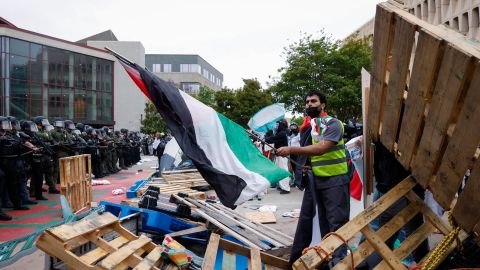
(475, 20)
(191, 87)
(464, 23)
(167, 67)
(205, 73)
(455, 23)
(193, 68)
(156, 68)
(55, 83)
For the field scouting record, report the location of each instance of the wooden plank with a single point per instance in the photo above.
(255, 262)
(467, 211)
(455, 69)
(266, 258)
(150, 260)
(409, 245)
(311, 260)
(211, 252)
(382, 41)
(66, 232)
(188, 231)
(384, 233)
(428, 213)
(53, 247)
(244, 228)
(382, 248)
(229, 261)
(98, 253)
(261, 217)
(402, 47)
(427, 57)
(124, 252)
(461, 147)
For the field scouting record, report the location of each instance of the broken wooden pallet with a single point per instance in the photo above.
(76, 180)
(424, 108)
(124, 251)
(376, 240)
(231, 254)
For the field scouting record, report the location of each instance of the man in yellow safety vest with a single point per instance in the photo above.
(325, 206)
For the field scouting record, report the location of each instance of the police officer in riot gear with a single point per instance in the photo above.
(46, 140)
(11, 152)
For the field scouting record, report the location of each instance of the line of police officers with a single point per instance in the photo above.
(32, 149)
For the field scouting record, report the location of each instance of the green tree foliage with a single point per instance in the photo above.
(152, 122)
(206, 96)
(327, 65)
(242, 104)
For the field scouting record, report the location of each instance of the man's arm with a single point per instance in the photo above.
(311, 150)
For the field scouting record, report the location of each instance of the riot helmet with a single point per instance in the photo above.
(15, 123)
(76, 132)
(69, 124)
(91, 132)
(5, 123)
(80, 127)
(48, 128)
(41, 121)
(29, 126)
(58, 123)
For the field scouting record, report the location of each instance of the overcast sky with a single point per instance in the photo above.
(242, 39)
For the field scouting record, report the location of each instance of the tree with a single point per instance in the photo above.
(152, 122)
(206, 96)
(242, 104)
(326, 65)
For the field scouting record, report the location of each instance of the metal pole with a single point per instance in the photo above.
(275, 149)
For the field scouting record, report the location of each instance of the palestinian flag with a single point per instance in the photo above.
(220, 149)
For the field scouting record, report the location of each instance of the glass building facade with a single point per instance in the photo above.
(41, 80)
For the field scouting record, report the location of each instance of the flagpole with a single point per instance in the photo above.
(275, 149)
(120, 57)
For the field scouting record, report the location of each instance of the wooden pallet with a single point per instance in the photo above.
(169, 189)
(76, 181)
(187, 179)
(376, 240)
(124, 251)
(424, 108)
(256, 258)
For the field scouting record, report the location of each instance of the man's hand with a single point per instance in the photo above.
(283, 151)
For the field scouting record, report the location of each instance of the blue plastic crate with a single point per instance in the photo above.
(154, 221)
(132, 191)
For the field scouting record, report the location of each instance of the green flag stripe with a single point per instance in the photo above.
(248, 154)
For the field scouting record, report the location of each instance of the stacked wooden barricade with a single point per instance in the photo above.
(76, 181)
(116, 247)
(425, 108)
(173, 182)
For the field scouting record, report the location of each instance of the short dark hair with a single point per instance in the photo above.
(320, 95)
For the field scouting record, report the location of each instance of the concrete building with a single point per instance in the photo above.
(187, 72)
(129, 102)
(460, 15)
(43, 75)
(366, 30)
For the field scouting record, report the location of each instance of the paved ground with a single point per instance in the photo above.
(284, 203)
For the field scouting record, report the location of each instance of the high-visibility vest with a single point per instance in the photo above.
(334, 161)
